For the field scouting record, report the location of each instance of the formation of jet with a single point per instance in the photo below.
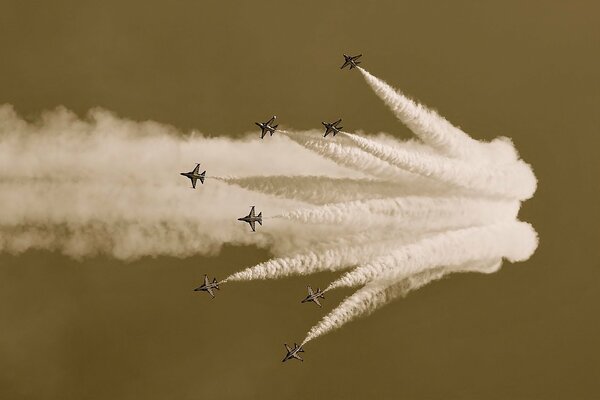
(332, 127)
(351, 61)
(194, 175)
(208, 286)
(252, 219)
(314, 296)
(293, 353)
(266, 127)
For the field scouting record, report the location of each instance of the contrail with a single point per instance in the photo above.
(434, 129)
(107, 185)
(401, 213)
(349, 156)
(515, 241)
(325, 189)
(333, 258)
(377, 294)
(416, 212)
(514, 180)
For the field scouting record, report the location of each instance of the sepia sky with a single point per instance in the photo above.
(101, 328)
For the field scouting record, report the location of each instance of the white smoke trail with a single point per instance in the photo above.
(515, 180)
(515, 241)
(333, 258)
(435, 130)
(324, 189)
(377, 294)
(416, 212)
(104, 184)
(349, 156)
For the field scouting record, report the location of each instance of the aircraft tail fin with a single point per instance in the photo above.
(274, 129)
(202, 177)
(259, 216)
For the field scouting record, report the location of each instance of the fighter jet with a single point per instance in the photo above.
(208, 286)
(194, 175)
(314, 296)
(332, 127)
(293, 353)
(252, 219)
(351, 61)
(266, 127)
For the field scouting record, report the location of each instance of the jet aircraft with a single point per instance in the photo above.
(332, 127)
(351, 61)
(252, 219)
(208, 286)
(194, 175)
(293, 353)
(314, 296)
(266, 127)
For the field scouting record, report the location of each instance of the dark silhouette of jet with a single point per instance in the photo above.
(194, 175)
(208, 286)
(266, 127)
(252, 219)
(293, 353)
(314, 296)
(332, 127)
(351, 61)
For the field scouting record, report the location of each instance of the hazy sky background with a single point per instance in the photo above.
(102, 328)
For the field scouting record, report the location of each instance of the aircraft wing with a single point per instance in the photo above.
(297, 357)
(357, 57)
(310, 292)
(271, 120)
(345, 64)
(337, 122)
(287, 348)
(251, 215)
(194, 182)
(196, 169)
(252, 225)
(209, 290)
(205, 280)
(316, 300)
